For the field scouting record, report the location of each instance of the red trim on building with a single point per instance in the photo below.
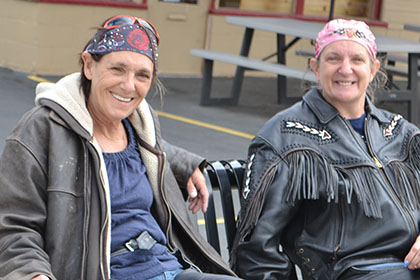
(299, 7)
(110, 3)
(246, 13)
(377, 11)
(213, 5)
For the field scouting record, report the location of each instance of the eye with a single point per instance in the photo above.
(332, 59)
(358, 59)
(117, 69)
(144, 75)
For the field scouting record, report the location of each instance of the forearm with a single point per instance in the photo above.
(182, 162)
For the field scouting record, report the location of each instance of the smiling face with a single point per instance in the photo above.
(344, 70)
(120, 81)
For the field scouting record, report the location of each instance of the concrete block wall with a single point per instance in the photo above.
(46, 38)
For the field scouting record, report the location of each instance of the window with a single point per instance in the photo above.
(181, 1)
(141, 4)
(306, 9)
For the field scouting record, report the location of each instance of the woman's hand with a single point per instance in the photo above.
(412, 260)
(41, 277)
(197, 192)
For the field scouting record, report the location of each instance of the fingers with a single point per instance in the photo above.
(412, 260)
(195, 205)
(197, 191)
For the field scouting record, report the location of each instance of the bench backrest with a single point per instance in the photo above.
(225, 177)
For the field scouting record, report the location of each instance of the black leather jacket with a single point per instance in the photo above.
(330, 199)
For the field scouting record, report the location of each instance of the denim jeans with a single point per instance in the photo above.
(167, 275)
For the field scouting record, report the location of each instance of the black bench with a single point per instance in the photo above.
(246, 63)
(226, 177)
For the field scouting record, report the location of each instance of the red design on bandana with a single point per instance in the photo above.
(138, 39)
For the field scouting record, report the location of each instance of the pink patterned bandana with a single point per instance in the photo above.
(129, 37)
(342, 29)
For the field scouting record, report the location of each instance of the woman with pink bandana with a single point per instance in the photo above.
(89, 189)
(333, 182)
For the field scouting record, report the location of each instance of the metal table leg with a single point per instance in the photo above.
(239, 75)
(413, 87)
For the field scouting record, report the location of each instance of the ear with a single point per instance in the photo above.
(313, 63)
(88, 63)
(375, 68)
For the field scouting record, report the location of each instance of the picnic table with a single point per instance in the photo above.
(412, 27)
(299, 29)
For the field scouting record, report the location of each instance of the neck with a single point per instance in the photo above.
(351, 112)
(111, 137)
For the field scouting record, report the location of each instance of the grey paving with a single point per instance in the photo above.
(256, 105)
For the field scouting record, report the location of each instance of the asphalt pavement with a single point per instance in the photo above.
(215, 132)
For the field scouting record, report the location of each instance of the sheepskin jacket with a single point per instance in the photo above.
(55, 206)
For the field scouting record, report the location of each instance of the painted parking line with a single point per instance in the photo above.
(201, 222)
(38, 79)
(206, 125)
(179, 118)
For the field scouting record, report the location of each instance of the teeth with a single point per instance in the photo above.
(120, 98)
(345, 83)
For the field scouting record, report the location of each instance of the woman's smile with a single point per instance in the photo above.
(122, 99)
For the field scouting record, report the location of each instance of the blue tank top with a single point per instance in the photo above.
(358, 124)
(131, 201)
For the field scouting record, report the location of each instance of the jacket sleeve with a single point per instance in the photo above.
(264, 218)
(22, 214)
(182, 162)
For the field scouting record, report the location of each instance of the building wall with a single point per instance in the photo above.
(46, 38)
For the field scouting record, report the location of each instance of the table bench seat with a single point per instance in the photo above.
(248, 63)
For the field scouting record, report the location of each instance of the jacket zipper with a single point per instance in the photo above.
(382, 171)
(85, 226)
(101, 239)
(340, 232)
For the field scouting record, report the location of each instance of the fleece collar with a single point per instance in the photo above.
(67, 93)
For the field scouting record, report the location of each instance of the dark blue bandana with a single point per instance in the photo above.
(126, 38)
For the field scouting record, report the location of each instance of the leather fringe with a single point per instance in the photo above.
(407, 186)
(408, 176)
(306, 167)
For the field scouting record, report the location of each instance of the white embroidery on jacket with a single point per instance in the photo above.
(246, 190)
(389, 130)
(321, 133)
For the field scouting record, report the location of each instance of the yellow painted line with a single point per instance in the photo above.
(179, 118)
(201, 222)
(206, 125)
(38, 79)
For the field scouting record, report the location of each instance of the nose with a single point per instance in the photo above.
(346, 67)
(128, 83)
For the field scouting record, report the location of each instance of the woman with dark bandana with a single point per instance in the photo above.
(89, 188)
(333, 180)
